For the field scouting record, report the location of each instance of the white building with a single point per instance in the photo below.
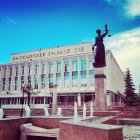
(70, 67)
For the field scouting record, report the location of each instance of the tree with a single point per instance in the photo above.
(130, 96)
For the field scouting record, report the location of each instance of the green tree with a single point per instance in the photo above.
(130, 96)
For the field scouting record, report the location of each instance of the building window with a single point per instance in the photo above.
(67, 66)
(3, 88)
(75, 79)
(29, 79)
(9, 87)
(58, 67)
(83, 64)
(16, 83)
(29, 70)
(75, 65)
(36, 68)
(51, 67)
(22, 70)
(43, 81)
(9, 83)
(4, 73)
(43, 68)
(16, 71)
(10, 72)
(83, 81)
(36, 82)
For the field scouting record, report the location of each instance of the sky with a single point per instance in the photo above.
(33, 24)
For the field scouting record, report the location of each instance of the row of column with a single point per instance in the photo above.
(17, 101)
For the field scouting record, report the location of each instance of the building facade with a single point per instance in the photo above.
(68, 67)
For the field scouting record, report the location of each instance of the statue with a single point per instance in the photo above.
(27, 111)
(100, 49)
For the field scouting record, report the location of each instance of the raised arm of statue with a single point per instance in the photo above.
(106, 31)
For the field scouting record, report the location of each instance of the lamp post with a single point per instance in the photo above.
(22, 88)
(27, 89)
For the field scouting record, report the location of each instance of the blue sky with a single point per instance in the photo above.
(33, 24)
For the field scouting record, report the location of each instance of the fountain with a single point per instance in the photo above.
(1, 113)
(59, 111)
(75, 113)
(46, 111)
(27, 111)
(91, 109)
(84, 111)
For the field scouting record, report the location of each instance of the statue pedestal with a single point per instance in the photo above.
(100, 91)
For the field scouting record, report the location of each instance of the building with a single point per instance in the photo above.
(69, 67)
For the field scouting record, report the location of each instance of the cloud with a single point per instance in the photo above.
(132, 8)
(8, 20)
(126, 49)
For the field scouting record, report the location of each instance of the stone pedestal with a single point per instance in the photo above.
(100, 91)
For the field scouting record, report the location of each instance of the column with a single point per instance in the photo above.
(62, 74)
(79, 99)
(13, 78)
(88, 79)
(47, 77)
(19, 77)
(7, 79)
(39, 75)
(26, 69)
(54, 72)
(1, 78)
(79, 74)
(32, 74)
(100, 91)
(70, 71)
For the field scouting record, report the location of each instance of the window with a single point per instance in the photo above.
(3, 88)
(16, 71)
(10, 72)
(66, 81)
(83, 64)
(43, 81)
(75, 79)
(43, 68)
(29, 70)
(36, 82)
(36, 68)
(58, 67)
(67, 66)
(9, 84)
(16, 83)
(75, 65)
(51, 67)
(4, 72)
(22, 70)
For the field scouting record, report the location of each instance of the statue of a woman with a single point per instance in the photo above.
(100, 49)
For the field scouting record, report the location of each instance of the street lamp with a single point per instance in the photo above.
(27, 89)
(22, 88)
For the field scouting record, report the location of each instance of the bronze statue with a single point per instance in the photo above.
(100, 49)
